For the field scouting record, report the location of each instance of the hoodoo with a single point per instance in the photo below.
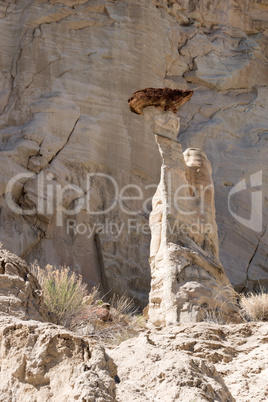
(188, 281)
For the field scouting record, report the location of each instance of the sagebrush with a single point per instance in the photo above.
(83, 311)
(64, 292)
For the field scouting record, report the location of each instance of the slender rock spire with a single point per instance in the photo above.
(188, 282)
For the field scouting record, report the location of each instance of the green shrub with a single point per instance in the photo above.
(64, 292)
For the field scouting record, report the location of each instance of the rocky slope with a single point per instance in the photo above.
(45, 362)
(41, 361)
(195, 362)
(67, 70)
(20, 292)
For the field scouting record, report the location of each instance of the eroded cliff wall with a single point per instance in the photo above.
(67, 70)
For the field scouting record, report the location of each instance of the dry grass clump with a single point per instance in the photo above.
(110, 323)
(216, 311)
(83, 311)
(214, 316)
(255, 306)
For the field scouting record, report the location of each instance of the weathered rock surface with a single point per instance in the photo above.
(44, 362)
(202, 362)
(65, 119)
(20, 292)
(67, 69)
(227, 118)
(187, 276)
(41, 361)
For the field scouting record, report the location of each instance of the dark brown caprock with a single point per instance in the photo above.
(162, 98)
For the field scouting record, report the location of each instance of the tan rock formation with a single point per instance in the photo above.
(187, 277)
(65, 120)
(20, 292)
(44, 362)
(41, 361)
(202, 362)
(66, 70)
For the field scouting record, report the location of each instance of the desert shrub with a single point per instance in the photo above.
(64, 293)
(255, 306)
(121, 322)
(83, 311)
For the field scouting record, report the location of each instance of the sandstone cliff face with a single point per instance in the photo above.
(67, 69)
